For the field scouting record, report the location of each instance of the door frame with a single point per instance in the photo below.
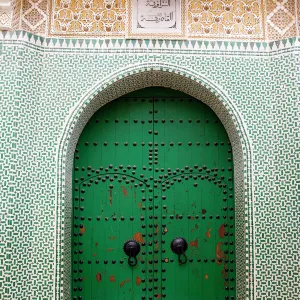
(177, 78)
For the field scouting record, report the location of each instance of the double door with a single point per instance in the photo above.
(153, 201)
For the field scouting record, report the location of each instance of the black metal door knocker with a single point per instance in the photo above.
(132, 249)
(179, 246)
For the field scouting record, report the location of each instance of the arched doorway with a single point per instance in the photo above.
(153, 166)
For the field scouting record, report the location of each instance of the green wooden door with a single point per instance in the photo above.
(153, 166)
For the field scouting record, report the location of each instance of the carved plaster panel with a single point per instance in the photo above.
(207, 19)
(6, 14)
(16, 13)
(298, 17)
(34, 16)
(281, 19)
(225, 19)
(88, 17)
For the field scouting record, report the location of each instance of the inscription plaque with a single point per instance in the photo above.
(156, 19)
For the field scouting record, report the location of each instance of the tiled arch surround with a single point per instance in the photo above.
(178, 78)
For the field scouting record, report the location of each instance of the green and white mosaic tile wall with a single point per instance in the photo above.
(50, 87)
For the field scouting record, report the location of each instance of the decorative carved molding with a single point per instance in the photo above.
(248, 20)
(5, 14)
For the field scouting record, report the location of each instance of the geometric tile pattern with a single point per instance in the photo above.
(281, 19)
(49, 89)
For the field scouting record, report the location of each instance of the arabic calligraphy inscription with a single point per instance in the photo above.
(156, 18)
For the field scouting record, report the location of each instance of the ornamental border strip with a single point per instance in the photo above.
(152, 44)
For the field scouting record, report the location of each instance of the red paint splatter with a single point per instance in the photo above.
(112, 278)
(196, 226)
(208, 232)
(124, 191)
(224, 273)
(98, 277)
(138, 237)
(82, 230)
(219, 252)
(222, 231)
(194, 243)
(124, 281)
(110, 197)
(96, 244)
(113, 237)
(203, 211)
(109, 249)
(158, 296)
(138, 280)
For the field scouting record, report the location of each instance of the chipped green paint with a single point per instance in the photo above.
(152, 166)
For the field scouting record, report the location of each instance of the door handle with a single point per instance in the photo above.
(179, 246)
(132, 249)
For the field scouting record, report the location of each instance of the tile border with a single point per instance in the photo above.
(108, 44)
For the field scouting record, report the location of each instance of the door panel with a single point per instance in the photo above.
(153, 166)
(109, 192)
(196, 165)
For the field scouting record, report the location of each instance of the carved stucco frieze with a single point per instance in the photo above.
(246, 20)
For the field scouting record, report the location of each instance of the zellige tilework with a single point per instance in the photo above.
(51, 87)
